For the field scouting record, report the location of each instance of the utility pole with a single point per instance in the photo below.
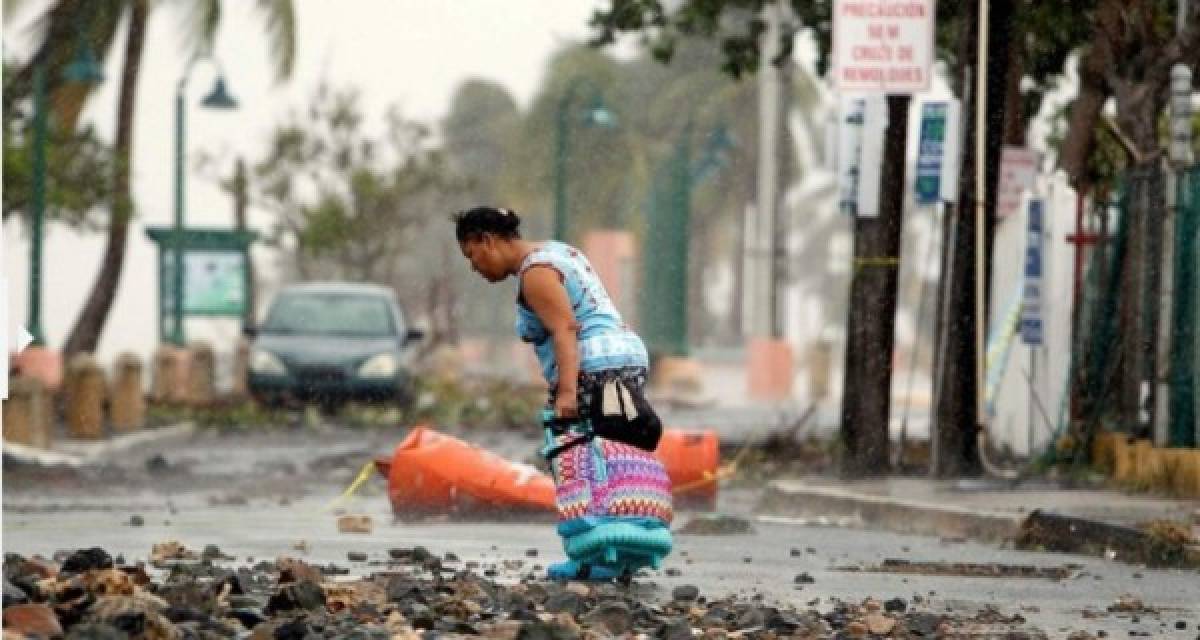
(763, 303)
(960, 411)
(781, 227)
(953, 441)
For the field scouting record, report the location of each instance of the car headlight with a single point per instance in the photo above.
(266, 362)
(383, 365)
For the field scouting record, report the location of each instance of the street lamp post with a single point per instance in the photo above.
(38, 203)
(86, 70)
(664, 309)
(597, 115)
(218, 98)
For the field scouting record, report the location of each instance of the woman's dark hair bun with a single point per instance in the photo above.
(511, 219)
(473, 223)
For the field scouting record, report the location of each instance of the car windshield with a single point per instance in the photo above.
(331, 313)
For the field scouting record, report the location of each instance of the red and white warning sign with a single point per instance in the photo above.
(883, 45)
(1018, 169)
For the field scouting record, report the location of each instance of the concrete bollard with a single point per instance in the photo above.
(201, 375)
(163, 373)
(1104, 451)
(1190, 473)
(1123, 463)
(27, 413)
(241, 369)
(1146, 467)
(128, 402)
(86, 391)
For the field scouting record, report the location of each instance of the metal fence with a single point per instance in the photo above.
(1114, 373)
(1184, 423)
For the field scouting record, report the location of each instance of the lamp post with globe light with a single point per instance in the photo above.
(664, 303)
(217, 98)
(596, 114)
(84, 69)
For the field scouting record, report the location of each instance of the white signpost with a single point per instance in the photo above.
(851, 114)
(883, 46)
(862, 121)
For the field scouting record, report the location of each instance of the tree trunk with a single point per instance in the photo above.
(90, 323)
(1016, 121)
(241, 198)
(1002, 83)
(872, 312)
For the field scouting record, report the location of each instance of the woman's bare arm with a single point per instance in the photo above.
(544, 292)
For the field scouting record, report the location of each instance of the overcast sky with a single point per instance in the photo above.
(413, 53)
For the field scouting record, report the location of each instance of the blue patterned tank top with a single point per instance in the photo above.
(605, 342)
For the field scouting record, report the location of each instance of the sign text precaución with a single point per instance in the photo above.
(883, 45)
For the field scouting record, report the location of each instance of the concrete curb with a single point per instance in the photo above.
(887, 513)
(77, 453)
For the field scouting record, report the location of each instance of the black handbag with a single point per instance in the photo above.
(623, 414)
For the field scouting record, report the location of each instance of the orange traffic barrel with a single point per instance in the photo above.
(692, 458)
(434, 472)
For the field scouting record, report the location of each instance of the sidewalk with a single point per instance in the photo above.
(975, 509)
(76, 453)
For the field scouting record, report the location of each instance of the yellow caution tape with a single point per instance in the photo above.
(361, 479)
(725, 471)
(877, 261)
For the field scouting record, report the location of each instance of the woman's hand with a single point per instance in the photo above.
(566, 404)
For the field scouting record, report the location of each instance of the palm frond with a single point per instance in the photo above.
(65, 28)
(200, 26)
(280, 16)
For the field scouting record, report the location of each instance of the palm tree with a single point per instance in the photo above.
(63, 25)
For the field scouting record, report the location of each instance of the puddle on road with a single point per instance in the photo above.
(968, 569)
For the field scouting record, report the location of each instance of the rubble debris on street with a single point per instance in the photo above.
(184, 594)
(1160, 543)
(354, 523)
(705, 524)
(969, 569)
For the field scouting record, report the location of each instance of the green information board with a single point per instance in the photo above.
(216, 278)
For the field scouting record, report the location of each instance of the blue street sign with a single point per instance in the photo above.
(1031, 308)
(930, 150)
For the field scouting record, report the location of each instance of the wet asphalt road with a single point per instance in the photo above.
(261, 495)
